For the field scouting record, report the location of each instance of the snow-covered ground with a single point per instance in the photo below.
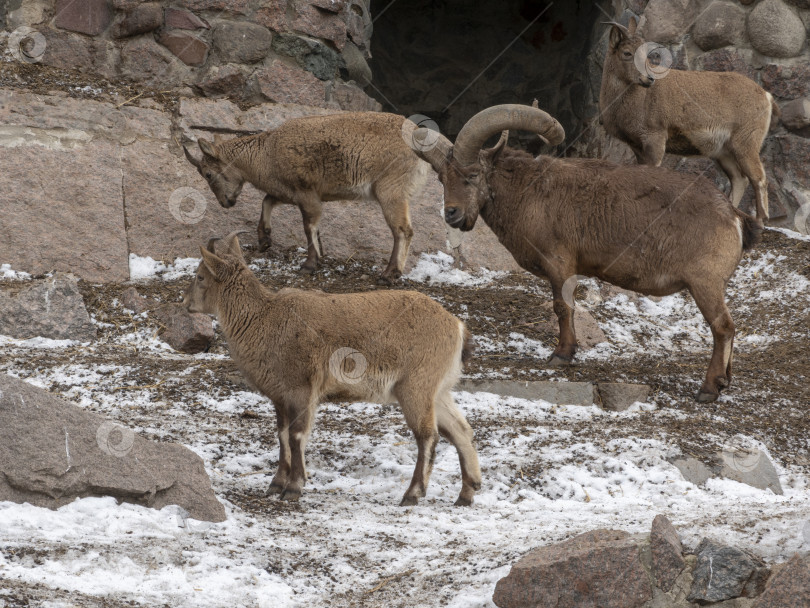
(549, 473)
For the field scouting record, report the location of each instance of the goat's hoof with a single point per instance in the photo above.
(722, 382)
(385, 280)
(463, 502)
(291, 495)
(706, 396)
(264, 244)
(274, 489)
(558, 361)
(409, 501)
(306, 269)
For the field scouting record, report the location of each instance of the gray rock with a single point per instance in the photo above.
(667, 553)
(589, 334)
(666, 21)
(751, 467)
(722, 24)
(693, 470)
(562, 393)
(599, 568)
(775, 29)
(143, 18)
(796, 113)
(52, 452)
(187, 47)
(87, 17)
(312, 55)
(618, 396)
(51, 308)
(356, 64)
(241, 42)
(723, 573)
(184, 331)
(135, 302)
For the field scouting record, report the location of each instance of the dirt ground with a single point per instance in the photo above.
(767, 400)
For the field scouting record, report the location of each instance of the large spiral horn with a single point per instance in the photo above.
(429, 145)
(504, 117)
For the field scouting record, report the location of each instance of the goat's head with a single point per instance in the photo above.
(629, 58)
(464, 167)
(223, 178)
(214, 270)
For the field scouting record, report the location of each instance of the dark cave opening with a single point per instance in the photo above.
(448, 59)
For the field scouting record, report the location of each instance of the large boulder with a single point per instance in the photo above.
(790, 586)
(775, 29)
(667, 553)
(241, 42)
(598, 568)
(666, 21)
(721, 24)
(51, 308)
(723, 573)
(52, 452)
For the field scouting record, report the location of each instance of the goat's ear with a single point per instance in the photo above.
(491, 154)
(632, 25)
(616, 37)
(207, 148)
(215, 265)
(232, 245)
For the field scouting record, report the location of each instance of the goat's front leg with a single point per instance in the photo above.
(311, 209)
(283, 472)
(653, 148)
(397, 216)
(302, 413)
(567, 344)
(264, 229)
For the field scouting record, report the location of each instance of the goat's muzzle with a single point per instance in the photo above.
(647, 81)
(454, 216)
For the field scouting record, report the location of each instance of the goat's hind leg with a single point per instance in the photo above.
(455, 428)
(711, 302)
(311, 210)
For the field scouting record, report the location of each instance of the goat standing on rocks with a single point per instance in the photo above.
(300, 348)
(647, 229)
(305, 161)
(722, 115)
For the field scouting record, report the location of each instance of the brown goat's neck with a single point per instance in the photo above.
(241, 302)
(242, 153)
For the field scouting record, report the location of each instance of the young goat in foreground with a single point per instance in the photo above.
(300, 348)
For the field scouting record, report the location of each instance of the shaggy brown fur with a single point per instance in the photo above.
(648, 229)
(305, 161)
(722, 115)
(300, 348)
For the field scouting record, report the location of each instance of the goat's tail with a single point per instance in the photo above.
(776, 112)
(751, 230)
(468, 347)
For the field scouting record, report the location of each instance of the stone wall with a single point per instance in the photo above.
(310, 52)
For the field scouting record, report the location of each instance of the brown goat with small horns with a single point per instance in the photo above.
(647, 229)
(306, 161)
(300, 348)
(722, 115)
